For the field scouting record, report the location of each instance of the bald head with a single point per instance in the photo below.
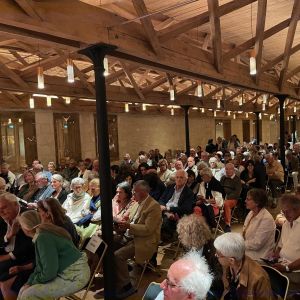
(229, 169)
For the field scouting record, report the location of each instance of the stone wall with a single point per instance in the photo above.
(87, 137)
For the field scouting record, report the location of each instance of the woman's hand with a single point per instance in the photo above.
(14, 270)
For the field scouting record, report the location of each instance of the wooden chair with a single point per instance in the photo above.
(279, 282)
(101, 249)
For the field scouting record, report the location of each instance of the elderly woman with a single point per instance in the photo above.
(164, 173)
(194, 234)
(191, 182)
(59, 192)
(243, 278)
(213, 163)
(60, 268)
(51, 212)
(259, 227)
(2, 185)
(83, 171)
(77, 202)
(210, 196)
(27, 191)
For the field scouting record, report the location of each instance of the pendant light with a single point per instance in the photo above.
(31, 103)
(70, 71)
(252, 62)
(40, 77)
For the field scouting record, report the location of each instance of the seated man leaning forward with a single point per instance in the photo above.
(243, 278)
(188, 278)
(142, 235)
(288, 250)
(176, 201)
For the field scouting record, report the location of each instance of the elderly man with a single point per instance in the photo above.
(191, 165)
(15, 247)
(8, 176)
(275, 174)
(126, 161)
(72, 171)
(232, 186)
(288, 250)
(243, 278)
(142, 235)
(188, 278)
(292, 167)
(45, 189)
(176, 201)
(204, 158)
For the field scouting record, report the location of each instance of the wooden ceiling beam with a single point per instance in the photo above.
(234, 95)
(187, 89)
(162, 79)
(259, 38)
(193, 22)
(251, 42)
(84, 81)
(215, 27)
(289, 42)
(142, 12)
(28, 7)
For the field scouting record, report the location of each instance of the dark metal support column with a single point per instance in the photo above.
(281, 99)
(187, 128)
(294, 120)
(96, 54)
(257, 128)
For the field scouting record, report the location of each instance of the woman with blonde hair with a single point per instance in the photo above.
(60, 268)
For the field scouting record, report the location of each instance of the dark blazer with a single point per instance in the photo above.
(23, 250)
(62, 196)
(185, 203)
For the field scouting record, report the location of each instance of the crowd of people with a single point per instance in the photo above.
(48, 214)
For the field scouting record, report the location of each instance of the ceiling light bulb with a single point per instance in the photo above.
(126, 107)
(31, 103)
(9, 121)
(68, 100)
(247, 115)
(172, 94)
(105, 65)
(215, 113)
(49, 101)
(70, 71)
(40, 78)
(172, 111)
(252, 63)
(20, 120)
(263, 106)
(144, 107)
(203, 110)
(295, 109)
(218, 103)
(234, 116)
(228, 113)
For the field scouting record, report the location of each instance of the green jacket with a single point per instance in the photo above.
(53, 254)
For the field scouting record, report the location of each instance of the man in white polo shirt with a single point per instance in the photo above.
(288, 251)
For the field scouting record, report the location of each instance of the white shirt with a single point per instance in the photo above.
(160, 296)
(173, 202)
(259, 234)
(290, 241)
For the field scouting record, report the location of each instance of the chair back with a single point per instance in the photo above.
(279, 282)
(152, 291)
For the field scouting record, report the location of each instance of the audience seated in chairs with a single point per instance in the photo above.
(164, 173)
(275, 174)
(188, 278)
(16, 249)
(232, 187)
(259, 227)
(45, 189)
(176, 201)
(59, 192)
(243, 278)
(28, 189)
(50, 211)
(194, 234)
(2, 186)
(157, 187)
(60, 269)
(288, 250)
(210, 196)
(142, 235)
(192, 184)
(78, 202)
(292, 168)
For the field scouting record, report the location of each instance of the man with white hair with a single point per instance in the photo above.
(243, 278)
(188, 278)
(45, 189)
(7, 175)
(292, 167)
(191, 165)
(176, 201)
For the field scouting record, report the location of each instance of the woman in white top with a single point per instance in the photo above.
(164, 173)
(78, 202)
(83, 171)
(259, 227)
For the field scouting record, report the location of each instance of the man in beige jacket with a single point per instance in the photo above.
(142, 234)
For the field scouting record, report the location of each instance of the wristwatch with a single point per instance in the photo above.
(287, 268)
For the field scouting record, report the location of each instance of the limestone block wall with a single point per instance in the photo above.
(87, 137)
(237, 128)
(45, 136)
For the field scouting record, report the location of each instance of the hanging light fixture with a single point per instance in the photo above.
(31, 102)
(234, 116)
(265, 98)
(240, 101)
(203, 110)
(288, 118)
(49, 101)
(283, 104)
(67, 100)
(199, 90)
(215, 113)
(105, 64)
(40, 77)
(144, 107)
(172, 111)
(228, 113)
(295, 109)
(271, 116)
(263, 107)
(260, 116)
(20, 120)
(70, 70)
(247, 115)
(172, 93)
(9, 121)
(253, 62)
(218, 103)
(126, 107)
(278, 110)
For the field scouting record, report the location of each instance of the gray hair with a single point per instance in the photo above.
(290, 200)
(78, 181)
(231, 244)
(9, 197)
(40, 175)
(58, 177)
(206, 171)
(199, 280)
(2, 184)
(182, 171)
(143, 185)
(202, 165)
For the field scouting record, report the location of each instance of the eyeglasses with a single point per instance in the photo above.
(171, 285)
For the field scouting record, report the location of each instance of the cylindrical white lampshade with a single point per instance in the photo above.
(218, 103)
(31, 103)
(199, 92)
(105, 64)
(40, 78)
(172, 94)
(252, 65)
(172, 111)
(70, 70)
(144, 107)
(126, 107)
(49, 101)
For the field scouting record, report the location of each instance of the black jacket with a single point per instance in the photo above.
(185, 203)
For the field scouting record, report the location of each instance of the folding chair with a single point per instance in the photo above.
(152, 291)
(102, 249)
(147, 264)
(279, 282)
(218, 220)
